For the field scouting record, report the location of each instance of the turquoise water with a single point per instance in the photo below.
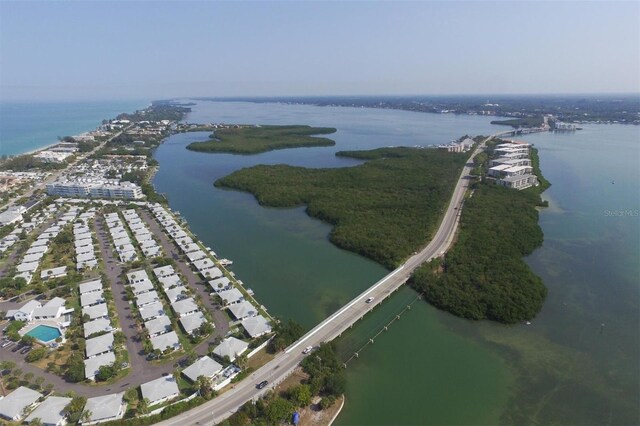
(44, 333)
(26, 127)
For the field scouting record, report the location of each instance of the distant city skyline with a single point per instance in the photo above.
(153, 50)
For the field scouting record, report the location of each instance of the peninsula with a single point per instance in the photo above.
(257, 139)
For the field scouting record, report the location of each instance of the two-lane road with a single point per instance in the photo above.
(283, 364)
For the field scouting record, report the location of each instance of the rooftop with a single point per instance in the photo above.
(231, 347)
(51, 411)
(204, 366)
(12, 405)
(159, 389)
(107, 407)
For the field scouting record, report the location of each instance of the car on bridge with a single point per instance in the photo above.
(307, 350)
(262, 384)
(369, 300)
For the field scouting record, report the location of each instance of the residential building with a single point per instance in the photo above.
(18, 402)
(51, 412)
(256, 326)
(231, 347)
(204, 366)
(105, 408)
(160, 390)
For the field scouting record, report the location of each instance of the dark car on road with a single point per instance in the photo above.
(262, 384)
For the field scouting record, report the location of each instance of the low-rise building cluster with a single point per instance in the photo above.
(121, 239)
(31, 260)
(512, 169)
(147, 244)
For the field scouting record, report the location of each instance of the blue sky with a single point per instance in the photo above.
(138, 49)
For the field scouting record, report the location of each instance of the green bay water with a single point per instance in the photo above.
(430, 367)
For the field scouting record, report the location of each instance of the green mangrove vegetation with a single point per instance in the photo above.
(384, 209)
(257, 139)
(484, 276)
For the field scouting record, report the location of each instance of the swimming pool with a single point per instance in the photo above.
(44, 333)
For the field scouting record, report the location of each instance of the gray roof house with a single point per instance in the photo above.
(96, 326)
(243, 310)
(166, 340)
(93, 298)
(176, 293)
(141, 287)
(105, 408)
(99, 345)
(231, 347)
(51, 411)
(191, 322)
(185, 307)
(231, 296)
(204, 366)
(147, 298)
(89, 286)
(219, 284)
(96, 311)
(137, 276)
(170, 281)
(92, 365)
(158, 325)
(13, 405)
(151, 311)
(164, 271)
(160, 390)
(256, 326)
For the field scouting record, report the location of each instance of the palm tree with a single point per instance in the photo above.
(86, 416)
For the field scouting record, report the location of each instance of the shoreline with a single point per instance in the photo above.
(335, 416)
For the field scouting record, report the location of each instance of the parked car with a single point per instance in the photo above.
(25, 350)
(262, 384)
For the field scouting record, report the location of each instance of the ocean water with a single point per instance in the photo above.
(25, 127)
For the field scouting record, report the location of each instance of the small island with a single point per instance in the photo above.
(258, 139)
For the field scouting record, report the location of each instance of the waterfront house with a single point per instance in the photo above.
(196, 255)
(220, 284)
(256, 326)
(243, 310)
(231, 296)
